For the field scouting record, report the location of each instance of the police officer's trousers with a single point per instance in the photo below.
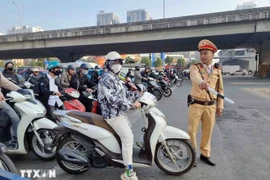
(205, 114)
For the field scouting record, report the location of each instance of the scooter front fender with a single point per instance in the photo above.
(44, 123)
(172, 133)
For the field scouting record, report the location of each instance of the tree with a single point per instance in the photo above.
(168, 60)
(158, 62)
(2, 63)
(146, 61)
(181, 62)
(194, 62)
(129, 60)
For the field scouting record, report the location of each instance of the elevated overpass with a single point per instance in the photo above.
(249, 28)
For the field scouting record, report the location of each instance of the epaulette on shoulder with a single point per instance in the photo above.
(199, 64)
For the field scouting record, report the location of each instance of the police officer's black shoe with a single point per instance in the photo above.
(207, 160)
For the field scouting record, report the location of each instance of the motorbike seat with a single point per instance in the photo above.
(91, 118)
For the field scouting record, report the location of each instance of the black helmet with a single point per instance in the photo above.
(84, 66)
(96, 67)
(70, 67)
(137, 67)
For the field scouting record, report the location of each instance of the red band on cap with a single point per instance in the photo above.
(208, 47)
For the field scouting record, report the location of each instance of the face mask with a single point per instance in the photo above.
(57, 72)
(10, 68)
(116, 68)
(84, 72)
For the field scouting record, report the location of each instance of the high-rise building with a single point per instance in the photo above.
(107, 18)
(246, 5)
(138, 15)
(24, 29)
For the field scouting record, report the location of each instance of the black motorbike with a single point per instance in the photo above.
(166, 90)
(153, 88)
(175, 80)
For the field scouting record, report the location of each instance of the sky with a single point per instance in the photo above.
(61, 14)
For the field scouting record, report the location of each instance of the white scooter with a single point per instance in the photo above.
(33, 129)
(88, 141)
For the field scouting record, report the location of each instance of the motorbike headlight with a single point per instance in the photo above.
(41, 114)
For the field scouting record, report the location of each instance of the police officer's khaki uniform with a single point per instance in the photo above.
(204, 113)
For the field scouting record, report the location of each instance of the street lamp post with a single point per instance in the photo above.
(163, 9)
(20, 11)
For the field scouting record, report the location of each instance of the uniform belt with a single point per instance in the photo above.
(205, 103)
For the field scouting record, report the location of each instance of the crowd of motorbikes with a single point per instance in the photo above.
(80, 140)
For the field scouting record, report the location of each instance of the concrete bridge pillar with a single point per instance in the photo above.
(264, 59)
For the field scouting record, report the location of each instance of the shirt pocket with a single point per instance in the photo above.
(213, 80)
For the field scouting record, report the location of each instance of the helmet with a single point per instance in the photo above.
(34, 69)
(137, 67)
(54, 64)
(8, 62)
(84, 66)
(96, 67)
(70, 67)
(111, 57)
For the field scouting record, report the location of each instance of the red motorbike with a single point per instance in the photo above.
(70, 100)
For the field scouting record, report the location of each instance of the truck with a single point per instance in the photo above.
(230, 69)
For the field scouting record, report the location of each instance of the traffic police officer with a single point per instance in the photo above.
(202, 104)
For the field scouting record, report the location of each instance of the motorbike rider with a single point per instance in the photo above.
(33, 78)
(130, 74)
(5, 108)
(114, 101)
(95, 77)
(81, 82)
(66, 77)
(153, 74)
(9, 73)
(50, 90)
(145, 73)
(138, 79)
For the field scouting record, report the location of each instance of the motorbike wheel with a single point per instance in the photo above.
(158, 94)
(67, 166)
(178, 83)
(47, 136)
(167, 92)
(176, 147)
(6, 164)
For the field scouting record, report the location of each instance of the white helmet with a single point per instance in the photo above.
(35, 69)
(111, 57)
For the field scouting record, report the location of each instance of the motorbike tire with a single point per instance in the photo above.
(61, 163)
(191, 164)
(36, 150)
(178, 83)
(8, 164)
(158, 93)
(167, 92)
